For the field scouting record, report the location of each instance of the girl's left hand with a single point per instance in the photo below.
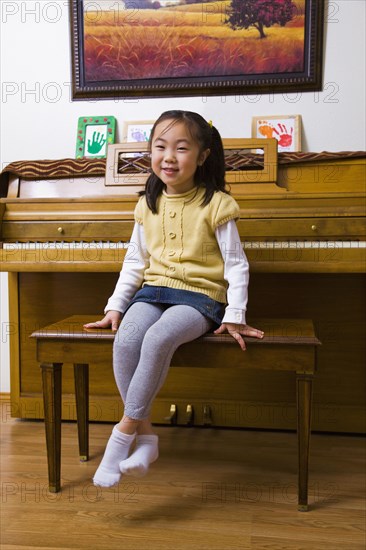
(237, 330)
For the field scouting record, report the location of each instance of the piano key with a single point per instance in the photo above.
(63, 245)
(247, 245)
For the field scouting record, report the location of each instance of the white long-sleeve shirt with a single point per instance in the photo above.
(236, 272)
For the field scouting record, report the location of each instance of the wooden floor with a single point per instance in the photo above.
(210, 489)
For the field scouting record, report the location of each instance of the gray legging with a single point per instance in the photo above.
(144, 346)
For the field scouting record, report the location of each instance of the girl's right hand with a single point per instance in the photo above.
(111, 320)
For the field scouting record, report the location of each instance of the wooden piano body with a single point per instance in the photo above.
(63, 229)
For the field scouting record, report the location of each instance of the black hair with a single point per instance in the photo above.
(210, 175)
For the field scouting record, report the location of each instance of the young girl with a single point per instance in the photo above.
(188, 275)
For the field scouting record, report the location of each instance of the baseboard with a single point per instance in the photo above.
(4, 396)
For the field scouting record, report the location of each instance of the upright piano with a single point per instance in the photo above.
(64, 231)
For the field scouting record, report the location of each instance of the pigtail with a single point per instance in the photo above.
(212, 172)
(153, 188)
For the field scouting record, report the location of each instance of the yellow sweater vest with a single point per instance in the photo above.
(181, 242)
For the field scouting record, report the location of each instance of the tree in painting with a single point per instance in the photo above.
(260, 14)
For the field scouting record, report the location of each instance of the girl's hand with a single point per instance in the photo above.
(111, 320)
(237, 330)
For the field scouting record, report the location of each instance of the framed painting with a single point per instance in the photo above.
(159, 48)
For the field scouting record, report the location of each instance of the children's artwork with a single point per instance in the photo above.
(285, 128)
(94, 133)
(137, 130)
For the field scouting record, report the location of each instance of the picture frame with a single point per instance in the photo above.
(132, 49)
(137, 130)
(285, 128)
(94, 134)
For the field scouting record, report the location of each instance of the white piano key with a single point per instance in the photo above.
(302, 244)
(76, 245)
(84, 245)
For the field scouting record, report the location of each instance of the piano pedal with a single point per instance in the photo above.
(173, 414)
(189, 415)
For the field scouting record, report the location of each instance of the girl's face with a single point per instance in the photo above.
(175, 156)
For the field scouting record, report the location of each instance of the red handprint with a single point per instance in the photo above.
(284, 137)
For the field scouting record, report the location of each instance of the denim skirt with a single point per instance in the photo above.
(171, 297)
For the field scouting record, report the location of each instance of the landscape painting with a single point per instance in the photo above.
(187, 47)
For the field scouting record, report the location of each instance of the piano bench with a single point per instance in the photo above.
(288, 345)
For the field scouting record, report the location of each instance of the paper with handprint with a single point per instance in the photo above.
(95, 140)
(285, 129)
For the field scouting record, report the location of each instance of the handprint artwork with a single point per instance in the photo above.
(96, 143)
(285, 131)
(94, 134)
(283, 135)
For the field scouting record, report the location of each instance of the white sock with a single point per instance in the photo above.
(118, 446)
(146, 452)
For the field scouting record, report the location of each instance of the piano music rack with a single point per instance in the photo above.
(128, 164)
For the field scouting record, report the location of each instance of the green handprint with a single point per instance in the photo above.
(95, 145)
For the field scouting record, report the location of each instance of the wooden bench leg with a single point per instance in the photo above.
(51, 380)
(304, 402)
(81, 376)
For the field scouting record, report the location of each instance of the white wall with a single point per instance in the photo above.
(39, 119)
